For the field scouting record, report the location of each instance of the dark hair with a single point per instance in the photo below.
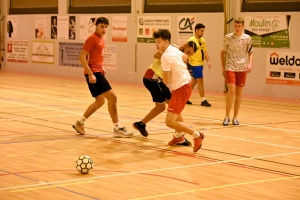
(193, 45)
(163, 34)
(198, 26)
(102, 20)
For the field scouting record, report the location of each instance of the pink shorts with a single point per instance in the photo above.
(237, 78)
(179, 98)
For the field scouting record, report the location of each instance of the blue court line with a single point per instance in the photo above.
(52, 185)
(78, 193)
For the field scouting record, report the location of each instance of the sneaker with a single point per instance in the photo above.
(198, 142)
(235, 121)
(188, 102)
(79, 127)
(205, 103)
(175, 140)
(122, 133)
(226, 121)
(141, 128)
(185, 143)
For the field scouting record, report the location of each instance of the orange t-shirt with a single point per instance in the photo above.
(95, 45)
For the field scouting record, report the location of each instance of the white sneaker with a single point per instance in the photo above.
(122, 133)
(79, 127)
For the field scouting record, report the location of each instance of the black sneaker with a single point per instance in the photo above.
(140, 127)
(205, 103)
(185, 143)
(188, 102)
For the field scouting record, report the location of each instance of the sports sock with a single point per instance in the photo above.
(177, 134)
(116, 126)
(82, 120)
(202, 99)
(196, 134)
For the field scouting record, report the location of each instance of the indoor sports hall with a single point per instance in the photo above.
(43, 91)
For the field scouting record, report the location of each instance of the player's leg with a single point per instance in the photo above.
(186, 142)
(96, 92)
(174, 121)
(160, 93)
(119, 131)
(241, 80)
(231, 81)
(193, 81)
(198, 75)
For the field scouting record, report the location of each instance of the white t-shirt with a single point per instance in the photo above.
(171, 61)
(237, 49)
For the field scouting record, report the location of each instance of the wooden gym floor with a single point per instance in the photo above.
(259, 159)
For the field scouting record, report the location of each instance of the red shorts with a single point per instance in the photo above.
(237, 78)
(179, 98)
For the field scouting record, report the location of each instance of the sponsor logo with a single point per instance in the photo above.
(289, 61)
(289, 75)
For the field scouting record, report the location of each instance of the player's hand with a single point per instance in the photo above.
(209, 65)
(248, 69)
(92, 78)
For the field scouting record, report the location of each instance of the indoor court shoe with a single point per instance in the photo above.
(205, 103)
(226, 121)
(122, 133)
(188, 102)
(176, 141)
(235, 121)
(198, 142)
(141, 128)
(79, 127)
(185, 143)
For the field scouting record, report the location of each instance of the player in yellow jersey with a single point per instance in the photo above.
(196, 62)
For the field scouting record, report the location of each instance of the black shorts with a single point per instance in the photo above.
(100, 86)
(159, 91)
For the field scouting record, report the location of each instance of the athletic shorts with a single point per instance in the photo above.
(179, 98)
(237, 78)
(197, 71)
(100, 86)
(159, 91)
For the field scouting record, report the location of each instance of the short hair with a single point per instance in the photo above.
(164, 34)
(102, 20)
(198, 26)
(239, 20)
(193, 45)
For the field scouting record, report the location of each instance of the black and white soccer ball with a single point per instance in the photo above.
(84, 164)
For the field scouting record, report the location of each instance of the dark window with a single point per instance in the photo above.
(100, 6)
(180, 6)
(270, 5)
(33, 7)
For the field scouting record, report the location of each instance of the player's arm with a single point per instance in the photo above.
(84, 63)
(207, 59)
(250, 54)
(185, 58)
(158, 55)
(182, 47)
(223, 57)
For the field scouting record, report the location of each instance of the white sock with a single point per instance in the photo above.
(177, 134)
(196, 134)
(116, 126)
(202, 99)
(82, 120)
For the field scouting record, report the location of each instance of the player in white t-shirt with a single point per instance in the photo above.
(237, 47)
(177, 78)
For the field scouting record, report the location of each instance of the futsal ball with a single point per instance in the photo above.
(84, 164)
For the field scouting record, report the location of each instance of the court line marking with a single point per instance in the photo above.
(147, 171)
(46, 108)
(38, 188)
(124, 107)
(218, 187)
(16, 119)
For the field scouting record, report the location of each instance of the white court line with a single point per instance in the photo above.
(151, 170)
(22, 118)
(290, 147)
(251, 125)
